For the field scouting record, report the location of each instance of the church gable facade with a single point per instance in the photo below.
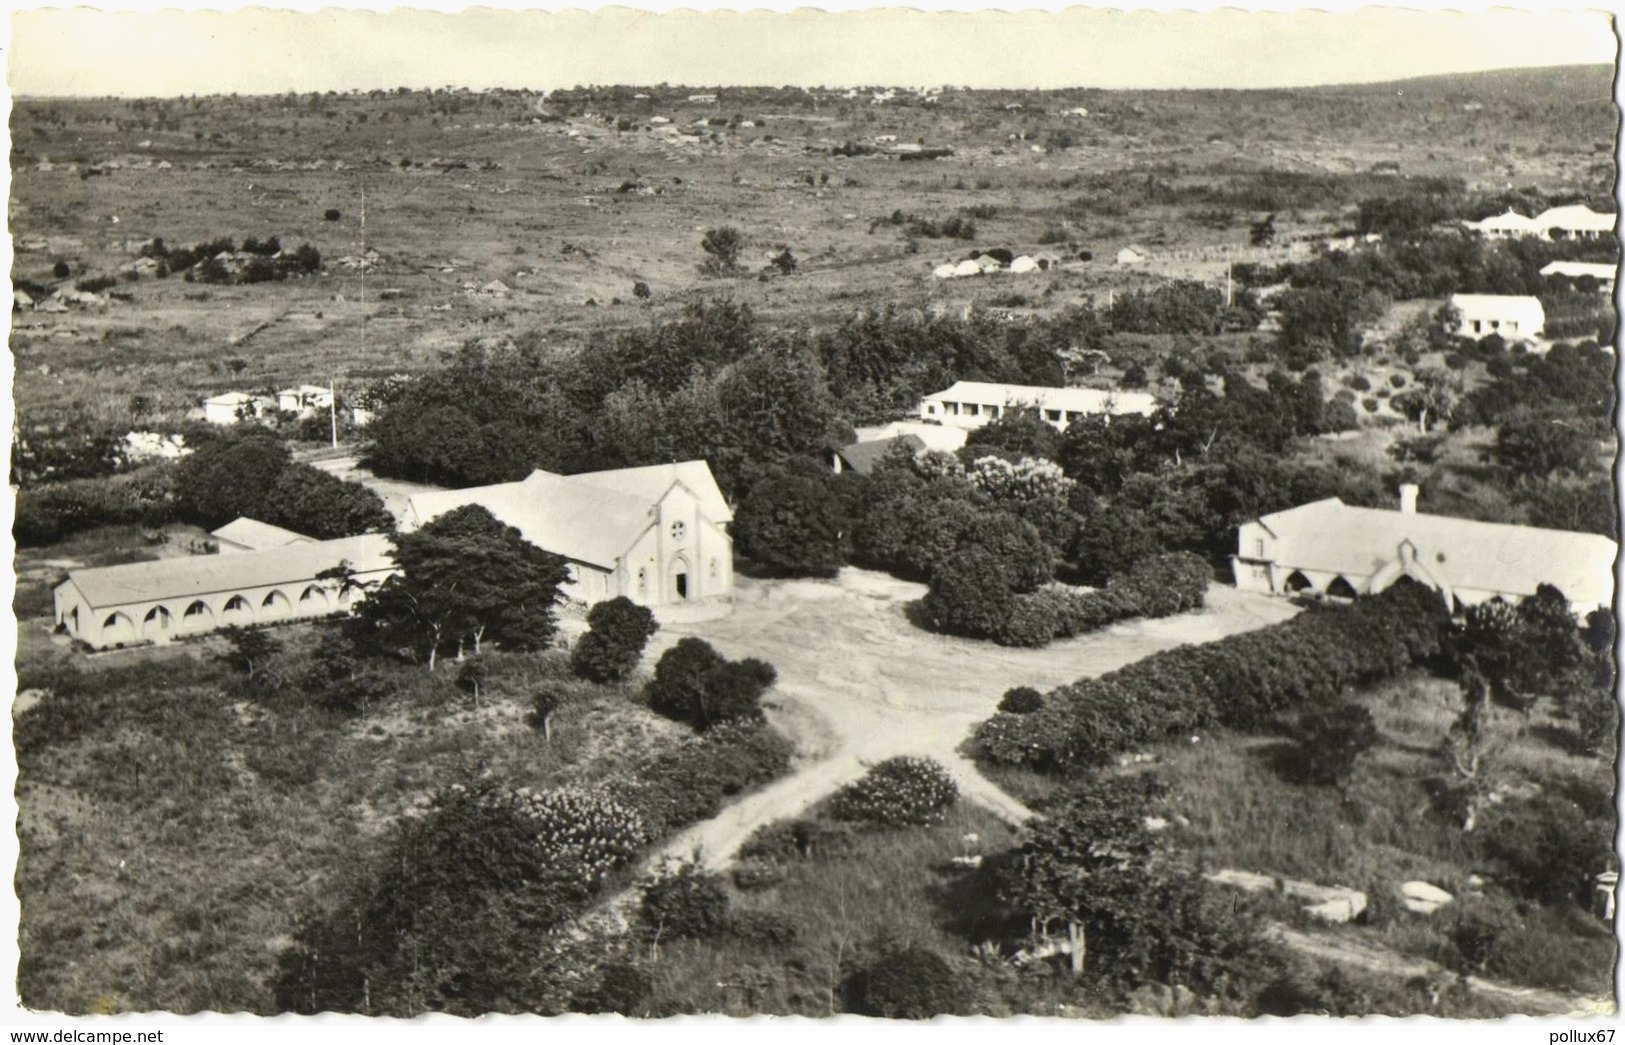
(657, 535)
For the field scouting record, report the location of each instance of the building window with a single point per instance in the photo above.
(931, 408)
(713, 568)
(643, 583)
(1258, 548)
(1052, 415)
(679, 530)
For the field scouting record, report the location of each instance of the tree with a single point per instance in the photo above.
(472, 676)
(321, 505)
(618, 630)
(722, 247)
(785, 261)
(1093, 865)
(695, 684)
(338, 680)
(544, 705)
(465, 577)
(230, 477)
(1532, 446)
(792, 524)
(251, 650)
(1262, 233)
(972, 593)
(1330, 742)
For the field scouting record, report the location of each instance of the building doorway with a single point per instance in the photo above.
(682, 585)
(679, 579)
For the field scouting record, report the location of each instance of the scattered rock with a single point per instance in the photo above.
(1423, 898)
(1246, 881)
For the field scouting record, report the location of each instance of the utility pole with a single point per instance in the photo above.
(1227, 286)
(333, 408)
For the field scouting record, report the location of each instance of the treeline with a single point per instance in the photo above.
(248, 472)
(713, 384)
(1242, 682)
(225, 261)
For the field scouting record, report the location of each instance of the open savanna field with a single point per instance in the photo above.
(454, 190)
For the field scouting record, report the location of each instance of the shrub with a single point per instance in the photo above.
(331, 214)
(901, 790)
(1242, 682)
(971, 593)
(1371, 404)
(52, 511)
(618, 631)
(1156, 587)
(763, 928)
(622, 988)
(1550, 846)
(1397, 380)
(903, 982)
(695, 684)
(799, 839)
(688, 903)
(1330, 741)
(1021, 700)
(1360, 383)
(690, 782)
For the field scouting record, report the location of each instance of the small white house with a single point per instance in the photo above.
(1130, 256)
(972, 404)
(1603, 274)
(228, 408)
(1576, 221)
(1505, 226)
(304, 400)
(1514, 317)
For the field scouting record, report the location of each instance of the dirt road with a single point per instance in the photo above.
(858, 683)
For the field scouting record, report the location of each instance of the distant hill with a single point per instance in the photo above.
(1529, 85)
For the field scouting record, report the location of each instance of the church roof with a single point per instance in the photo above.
(1462, 553)
(257, 536)
(593, 517)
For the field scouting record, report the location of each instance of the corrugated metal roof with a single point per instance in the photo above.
(1462, 553)
(183, 578)
(591, 518)
(1078, 400)
(257, 536)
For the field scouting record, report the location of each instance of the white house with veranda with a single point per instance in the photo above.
(657, 535)
(1515, 317)
(158, 601)
(972, 404)
(1334, 549)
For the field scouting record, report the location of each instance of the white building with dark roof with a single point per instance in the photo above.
(158, 601)
(1331, 548)
(228, 408)
(657, 535)
(972, 404)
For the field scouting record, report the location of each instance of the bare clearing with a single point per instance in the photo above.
(859, 683)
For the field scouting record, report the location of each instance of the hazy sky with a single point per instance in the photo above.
(78, 51)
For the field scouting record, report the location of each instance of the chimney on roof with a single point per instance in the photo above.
(1407, 497)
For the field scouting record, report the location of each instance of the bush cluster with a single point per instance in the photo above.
(903, 982)
(1157, 587)
(588, 831)
(691, 781)
(902, 790)
(1244, 681)
(50, 512)
(688, 903)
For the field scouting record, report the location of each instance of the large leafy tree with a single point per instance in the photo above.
(793, 524)
(230, 477)
(465, 578)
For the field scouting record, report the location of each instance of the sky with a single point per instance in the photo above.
(134, 52)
